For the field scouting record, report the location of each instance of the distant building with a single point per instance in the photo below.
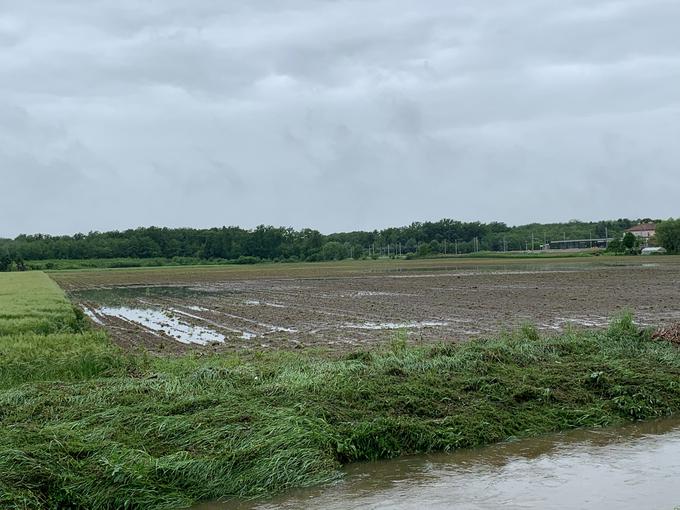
(643, 230)
(654, 250)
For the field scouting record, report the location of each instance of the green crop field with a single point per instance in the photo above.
(32, 302)
(43, 337)
(86, 425)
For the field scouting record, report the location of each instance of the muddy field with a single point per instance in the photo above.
(353, 304)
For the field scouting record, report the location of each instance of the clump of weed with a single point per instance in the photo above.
(529, 332)
(622, 327)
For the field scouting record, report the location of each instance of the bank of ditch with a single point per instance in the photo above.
(86, 425)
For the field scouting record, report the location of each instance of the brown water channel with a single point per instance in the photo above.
(633, 467)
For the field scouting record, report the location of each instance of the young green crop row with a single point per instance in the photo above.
(85, 425)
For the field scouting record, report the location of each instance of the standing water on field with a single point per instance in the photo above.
(633, 467)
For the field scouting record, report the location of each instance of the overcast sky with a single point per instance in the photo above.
(335, 114)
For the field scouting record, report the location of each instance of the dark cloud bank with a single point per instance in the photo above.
(338, 115)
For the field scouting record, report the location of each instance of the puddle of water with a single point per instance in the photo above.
(396, 325)
(368, 293)
(256, 302)
(92, 315)
(246, 335)
(627, 468)
(590, 322)
(271, 327)
(159, 322)
(197, 308)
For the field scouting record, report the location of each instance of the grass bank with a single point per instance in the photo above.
(131, 431)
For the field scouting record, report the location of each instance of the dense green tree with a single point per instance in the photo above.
(615, 246)
(411, 245)
(276, 243)
(668, 235)
(423, 250)
(334, 250)
(630, 242)
(5, 262)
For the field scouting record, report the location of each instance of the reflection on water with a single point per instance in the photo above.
(396, 325)
(125, 295)
(159, 321)
(633, 467)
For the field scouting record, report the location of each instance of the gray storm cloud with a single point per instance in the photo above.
(338, 115)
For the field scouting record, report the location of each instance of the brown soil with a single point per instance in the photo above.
(346, 306)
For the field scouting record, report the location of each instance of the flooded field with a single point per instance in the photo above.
(357, 303)
(628, 468)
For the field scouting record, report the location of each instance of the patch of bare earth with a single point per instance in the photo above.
(350, 309)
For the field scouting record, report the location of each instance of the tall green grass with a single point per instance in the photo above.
(83, 425)
(173, 431)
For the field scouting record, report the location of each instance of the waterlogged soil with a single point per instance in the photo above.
(626, 468)
(353, 305)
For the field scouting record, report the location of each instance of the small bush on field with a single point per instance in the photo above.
(243, 259)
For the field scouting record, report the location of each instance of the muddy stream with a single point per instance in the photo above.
(632, 467)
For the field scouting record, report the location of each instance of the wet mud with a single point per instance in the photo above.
(355, 309)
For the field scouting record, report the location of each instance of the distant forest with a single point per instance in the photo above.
(286, 244)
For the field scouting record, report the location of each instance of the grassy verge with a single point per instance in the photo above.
(140, 432)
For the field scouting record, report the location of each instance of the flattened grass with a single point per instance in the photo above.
(83, 425)
(198, 428)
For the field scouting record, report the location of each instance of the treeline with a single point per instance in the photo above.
(287, 244)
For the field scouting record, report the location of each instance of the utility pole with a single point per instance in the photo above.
(444, 246)
(532, 241)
